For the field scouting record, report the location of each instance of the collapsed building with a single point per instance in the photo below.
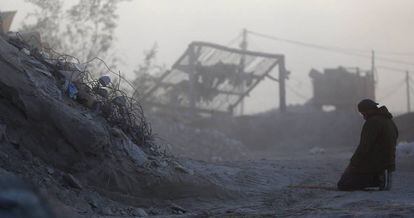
(341, 87)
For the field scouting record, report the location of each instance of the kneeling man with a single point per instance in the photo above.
(374, 159)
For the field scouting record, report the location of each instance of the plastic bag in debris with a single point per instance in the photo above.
(104, 80)
(72, 91)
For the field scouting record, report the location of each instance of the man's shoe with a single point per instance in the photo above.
(385, 181)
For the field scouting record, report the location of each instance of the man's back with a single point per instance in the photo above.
(376, 151)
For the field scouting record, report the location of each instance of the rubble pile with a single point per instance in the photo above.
(81, 141)
(76, 80)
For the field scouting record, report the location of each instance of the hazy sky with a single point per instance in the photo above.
(383, 25)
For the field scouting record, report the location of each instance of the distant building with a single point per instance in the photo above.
(341, 87)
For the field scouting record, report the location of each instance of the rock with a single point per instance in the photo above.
(72, 181)
(133, 151)
(177, 209)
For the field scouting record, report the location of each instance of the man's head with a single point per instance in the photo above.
(367, 106)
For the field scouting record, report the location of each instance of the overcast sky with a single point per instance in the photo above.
(383, 25)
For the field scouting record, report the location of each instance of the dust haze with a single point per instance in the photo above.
(195, 108)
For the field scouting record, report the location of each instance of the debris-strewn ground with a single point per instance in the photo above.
(58, 155)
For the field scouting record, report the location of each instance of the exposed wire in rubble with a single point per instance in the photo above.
(110, 101)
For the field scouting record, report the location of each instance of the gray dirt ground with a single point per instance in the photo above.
(300, 187)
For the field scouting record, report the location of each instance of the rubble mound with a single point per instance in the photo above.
(87, 160)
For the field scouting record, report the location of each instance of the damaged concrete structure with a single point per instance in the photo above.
(341, 87)
(214, 79)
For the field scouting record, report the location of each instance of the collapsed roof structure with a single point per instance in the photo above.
(214, 79)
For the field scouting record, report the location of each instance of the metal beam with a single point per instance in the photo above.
(254, 85)
(282, 85)
(156, 86)
(238, 51)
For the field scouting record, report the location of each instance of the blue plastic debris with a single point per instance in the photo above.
(72, 91)
(105, 81)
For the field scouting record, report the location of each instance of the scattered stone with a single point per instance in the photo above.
(177, 209)
(72, 181)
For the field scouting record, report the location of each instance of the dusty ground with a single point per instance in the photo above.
(299, 187)
(287, 186)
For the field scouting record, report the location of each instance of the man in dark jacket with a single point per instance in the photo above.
(374, 159)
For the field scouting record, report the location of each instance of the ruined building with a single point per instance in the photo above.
(341, 87)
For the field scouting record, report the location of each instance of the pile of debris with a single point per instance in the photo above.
(88, 150)
(76, 80)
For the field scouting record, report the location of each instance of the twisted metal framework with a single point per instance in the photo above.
(210, 78)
